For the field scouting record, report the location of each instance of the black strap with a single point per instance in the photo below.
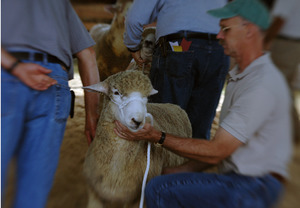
(13, 66)
(162, 138)
(72, 103)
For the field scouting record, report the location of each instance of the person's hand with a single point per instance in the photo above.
(91, 101)
(89, 74)
(148, 133)
(90, 127)
(137, 57)
(34, 76)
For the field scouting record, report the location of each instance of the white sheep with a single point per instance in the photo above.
(114, 167)
(111, 53)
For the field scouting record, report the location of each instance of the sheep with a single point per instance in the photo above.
(111, 53)
(114, 167)
(147, 46)
(148, 43)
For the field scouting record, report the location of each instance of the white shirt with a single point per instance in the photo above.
(256, 111)
(289, 10)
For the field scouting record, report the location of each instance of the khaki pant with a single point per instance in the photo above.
(286, 55)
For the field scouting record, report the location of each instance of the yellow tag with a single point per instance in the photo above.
(177, 48)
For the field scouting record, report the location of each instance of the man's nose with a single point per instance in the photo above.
(220, 35)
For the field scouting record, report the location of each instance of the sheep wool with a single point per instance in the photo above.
(114, 167)
(111, 53)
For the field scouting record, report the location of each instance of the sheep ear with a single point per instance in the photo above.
(154, 91)
(99, 87)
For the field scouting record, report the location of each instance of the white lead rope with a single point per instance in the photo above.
(147, 167)
(121, 106)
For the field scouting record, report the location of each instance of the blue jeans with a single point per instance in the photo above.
(32, 129)
(193, 80)
(210, 190)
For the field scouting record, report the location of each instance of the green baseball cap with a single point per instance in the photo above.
(252, 10)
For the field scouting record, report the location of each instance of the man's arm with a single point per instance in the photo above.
(140, 14)
(273, 31)
(207, 151)
(89, 74)
(189, 166)
(32, 75)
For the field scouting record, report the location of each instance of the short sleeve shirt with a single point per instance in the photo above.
(171, 16)
(256, 111)
(50, 26)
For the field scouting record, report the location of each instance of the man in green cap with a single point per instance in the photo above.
(253, 144)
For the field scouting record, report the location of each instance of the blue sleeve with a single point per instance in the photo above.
(79, 36)
(142, 12)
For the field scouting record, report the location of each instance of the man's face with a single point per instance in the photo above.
(232, 35)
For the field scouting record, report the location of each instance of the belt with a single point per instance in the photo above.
(280, 178)
(288, 38)
(197, 35)
(38, 57)
(162, 41)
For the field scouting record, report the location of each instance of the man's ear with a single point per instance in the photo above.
(250, 30)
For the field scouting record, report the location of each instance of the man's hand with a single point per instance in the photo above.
(34, 76)
(137, 57)
(89, 74)
(90, 126)
(148, 133)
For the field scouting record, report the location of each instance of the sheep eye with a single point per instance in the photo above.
(116, 93)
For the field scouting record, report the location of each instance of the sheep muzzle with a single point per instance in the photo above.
(132, 111)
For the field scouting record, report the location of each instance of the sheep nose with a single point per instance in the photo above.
(138, 123)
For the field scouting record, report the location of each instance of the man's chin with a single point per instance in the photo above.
(226, 52)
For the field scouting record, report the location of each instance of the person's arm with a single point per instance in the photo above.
(207, 151)
(273, 31)
(189, 166)
(89, 74)
(32, 75)
(137, 57)
(140, 14)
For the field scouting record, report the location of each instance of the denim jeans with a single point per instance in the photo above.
(192, 79)
(210, 190)
(32, 129)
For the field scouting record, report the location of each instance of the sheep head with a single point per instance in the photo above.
(128, 92)
(148, 43)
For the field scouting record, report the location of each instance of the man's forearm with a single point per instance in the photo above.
(273, 31)
(7, 60)
(89, 74)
